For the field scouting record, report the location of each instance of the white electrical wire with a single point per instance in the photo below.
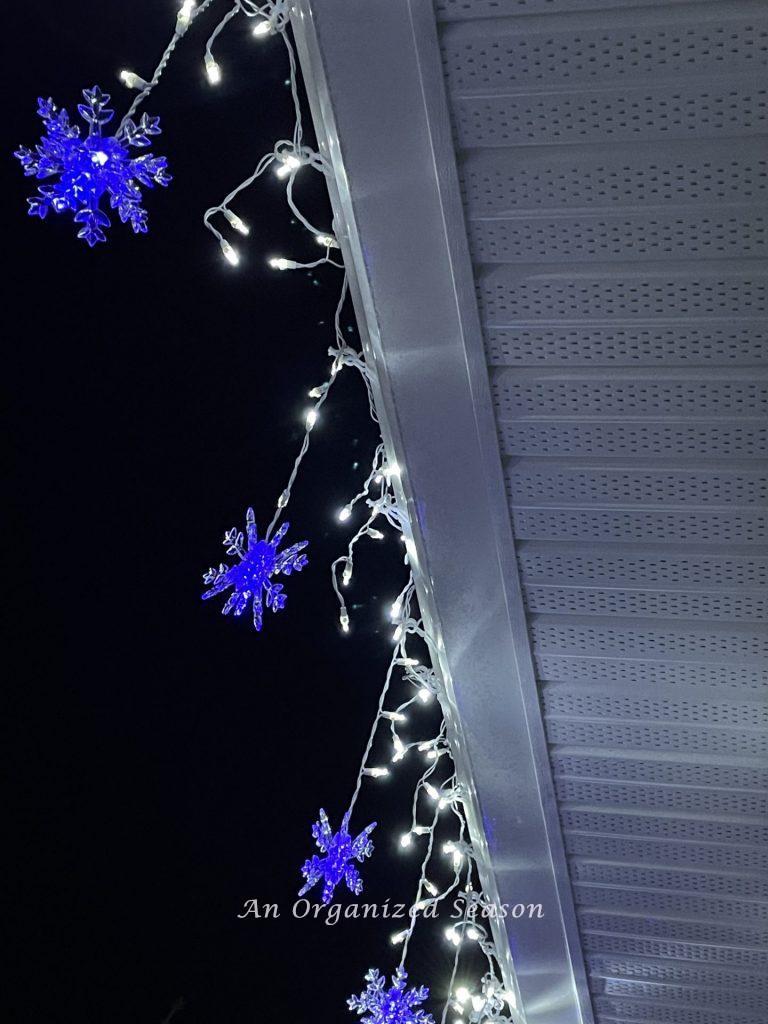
(438, 783)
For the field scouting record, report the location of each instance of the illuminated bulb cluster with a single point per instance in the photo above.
(457, 851)
(287, 163)
(490, 1004)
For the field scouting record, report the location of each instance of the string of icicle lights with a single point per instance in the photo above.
(438, 835)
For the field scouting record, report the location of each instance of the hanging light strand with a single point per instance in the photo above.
(186, 15)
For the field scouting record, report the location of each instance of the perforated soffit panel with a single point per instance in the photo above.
(613, 160)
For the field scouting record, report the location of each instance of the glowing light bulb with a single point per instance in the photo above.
(212, 69)
(237, 223)
(310, 418)
(344, 620)
(394, 716)
(133, 81)
(376, 773)
(397, 636)
(478, 1002)
(431, 791)
(327, 241)
(394, 612)
(472, 933)
(406, 840)
(344, 514)
(231, 255)
(184, 16)
(376, 534)
(421, 830)
(424, 695)
(346, 576)
(452, 936)
(462, 993)
(398, 937)
(261, 29)
(400, 749)
(280, 263)
(287, 165)
(431, 887)
(391, 469)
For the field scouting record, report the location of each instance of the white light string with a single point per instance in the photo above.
(187, 13)
(487, 1001)
(438, 787)
(288, 155)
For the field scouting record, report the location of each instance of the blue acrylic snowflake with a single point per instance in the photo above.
(87, 167)
(340, 850)
(259, 562)
(395, 1005)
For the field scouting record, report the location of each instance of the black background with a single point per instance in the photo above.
(166, 762)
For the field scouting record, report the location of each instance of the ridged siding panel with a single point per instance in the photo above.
(613, 157)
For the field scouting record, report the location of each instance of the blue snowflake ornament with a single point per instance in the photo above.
(340, 851)
(89, 166)
(251, 577)
(394, 1005)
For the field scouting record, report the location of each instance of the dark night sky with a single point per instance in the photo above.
(167, 763)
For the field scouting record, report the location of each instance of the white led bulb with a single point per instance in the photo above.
(231, 254)
(212, 69)
(237, 223)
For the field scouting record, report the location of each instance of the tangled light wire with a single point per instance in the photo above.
(437, 788)
(288, 155)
